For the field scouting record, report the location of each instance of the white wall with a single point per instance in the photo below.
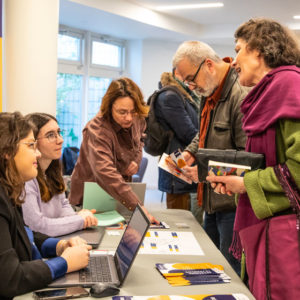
(147, 60)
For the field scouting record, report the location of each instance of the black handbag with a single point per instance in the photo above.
(254, 160)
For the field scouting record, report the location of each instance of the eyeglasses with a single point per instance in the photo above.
(124, 113)
(31, 145)
(52, 136)
(192, 81)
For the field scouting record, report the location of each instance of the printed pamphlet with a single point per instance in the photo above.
(179, 274)
(173, 164)
(185, 297)
(222, 169)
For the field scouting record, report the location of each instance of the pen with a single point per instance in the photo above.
(170, 247)
(176, 248)
(156, 234)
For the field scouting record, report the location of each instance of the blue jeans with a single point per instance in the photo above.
(219, 227)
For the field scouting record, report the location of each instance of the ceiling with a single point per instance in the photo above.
(212, 25)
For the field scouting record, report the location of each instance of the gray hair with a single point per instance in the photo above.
(195, 52)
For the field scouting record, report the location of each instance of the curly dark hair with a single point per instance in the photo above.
(51, 183)
(13, 128)
(123, 87)
(276, 43)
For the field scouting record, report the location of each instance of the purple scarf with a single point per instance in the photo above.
(275, 97)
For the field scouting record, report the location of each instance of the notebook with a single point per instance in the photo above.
(93, 235)
(118, 264)
(95, 197)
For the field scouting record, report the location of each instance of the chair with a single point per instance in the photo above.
(138, 177)
(69, 158)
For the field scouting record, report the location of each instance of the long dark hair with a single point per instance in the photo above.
(51, 182)
(13, 128)
(274, 42)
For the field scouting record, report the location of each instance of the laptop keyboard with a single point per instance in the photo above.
(96, 271)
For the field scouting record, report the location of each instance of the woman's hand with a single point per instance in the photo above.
(88, 217)
(77, 257)
(227, 184)
(132, 169)
(62, 245)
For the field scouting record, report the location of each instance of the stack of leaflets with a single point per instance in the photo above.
(185, 297)
(222, 169)
(189, 274)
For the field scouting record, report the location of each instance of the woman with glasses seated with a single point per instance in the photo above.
(21, 250)
(46, 209)
(112, 146)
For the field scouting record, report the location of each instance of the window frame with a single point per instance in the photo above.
(106, 40)
(86, 68)
(64, 30)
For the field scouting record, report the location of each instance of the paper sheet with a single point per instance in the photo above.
(170, 242)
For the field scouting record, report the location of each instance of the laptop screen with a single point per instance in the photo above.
(130, 242)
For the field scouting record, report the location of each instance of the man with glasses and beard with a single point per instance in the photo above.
(213, 79)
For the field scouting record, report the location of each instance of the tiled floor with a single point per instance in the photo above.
(154, 201)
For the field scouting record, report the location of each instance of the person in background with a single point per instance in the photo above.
(111, 149)
(46, 208)
(268, 58)
(178, 112)
(217, 83)
(21, 250)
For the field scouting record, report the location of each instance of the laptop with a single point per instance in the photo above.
(117, 265)
(139, 188)
(93, 235)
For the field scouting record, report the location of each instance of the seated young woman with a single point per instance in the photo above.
(21, 250)
(46, 209)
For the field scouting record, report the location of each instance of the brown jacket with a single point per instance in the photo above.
(105, 153)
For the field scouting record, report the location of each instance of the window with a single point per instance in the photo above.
(106, 54)
(87, 63)
(68, 107)
(97, 89)
(68, 47)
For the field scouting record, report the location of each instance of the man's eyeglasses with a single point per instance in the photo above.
(124, 113)
(52, 136)
(31, 145)
(192, 82)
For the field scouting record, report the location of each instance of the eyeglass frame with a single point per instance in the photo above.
(52, 136)
(34, 148)
(125, 113)
(192, 82)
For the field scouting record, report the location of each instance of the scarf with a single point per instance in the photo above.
(275, 97)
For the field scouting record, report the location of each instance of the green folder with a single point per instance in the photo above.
(94, 197)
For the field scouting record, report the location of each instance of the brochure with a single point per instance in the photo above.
(222, 169)
(173, 164)
(185, 297)
(179, 274)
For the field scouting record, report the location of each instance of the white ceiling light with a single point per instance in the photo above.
(297, 17)
(190, 6)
